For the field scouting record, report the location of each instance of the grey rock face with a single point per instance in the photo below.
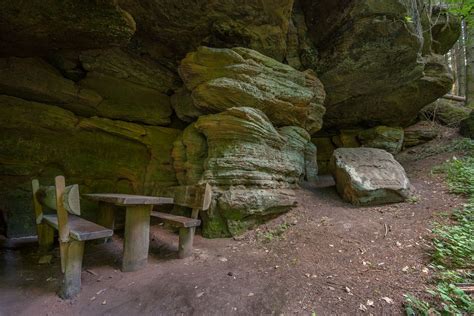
(369, 176)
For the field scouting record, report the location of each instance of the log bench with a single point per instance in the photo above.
(73, 230)
(196, 197)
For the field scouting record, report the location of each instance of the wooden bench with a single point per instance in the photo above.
(73, 230)
(198, 198)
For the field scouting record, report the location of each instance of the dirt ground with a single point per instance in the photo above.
(325, 256)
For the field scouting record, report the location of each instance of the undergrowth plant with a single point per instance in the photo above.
(453, 244)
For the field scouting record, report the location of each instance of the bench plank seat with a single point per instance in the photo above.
(179, 221)
(80, 229)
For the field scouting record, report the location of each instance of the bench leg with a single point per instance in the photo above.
(186, 237)
(72, 275)
(137, 237)
(45, 237)
(106, 218)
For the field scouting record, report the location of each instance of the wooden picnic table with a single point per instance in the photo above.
(137, 223)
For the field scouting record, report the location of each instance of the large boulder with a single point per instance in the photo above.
(102, 155)
(251, 165)
(36, 27)
(376, 60)
(369, 176)
(223, 78)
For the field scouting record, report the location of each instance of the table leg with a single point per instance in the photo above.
(106, 218)
(137, 239)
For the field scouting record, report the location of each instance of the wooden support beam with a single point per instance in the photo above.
(73, 267)
(186, 237)
(136, 239)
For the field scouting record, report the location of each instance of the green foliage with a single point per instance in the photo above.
(460, 172)
(461, 8)
(453, 245)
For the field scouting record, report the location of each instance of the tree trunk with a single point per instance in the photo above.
(470, 64)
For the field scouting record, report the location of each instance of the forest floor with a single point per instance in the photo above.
(324, 257)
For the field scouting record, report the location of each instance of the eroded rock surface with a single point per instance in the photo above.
(369, 176)
(383, 137)
(223, 78)
(419, 133)
(251, 165)
(376, 60)
(102, 155)
(37, 27)
(180, 26)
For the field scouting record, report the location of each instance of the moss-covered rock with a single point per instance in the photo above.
(251, 165)
(419, 133)
(383, 137)
(223, 78)
(42, 141)
(376, 60)
(37, 27)
(180, 26)
(127, 101)
(35, 80)
(445, 112)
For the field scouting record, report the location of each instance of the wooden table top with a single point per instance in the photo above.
(128, 199)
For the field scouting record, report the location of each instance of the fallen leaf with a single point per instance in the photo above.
(104, 302)
(101, 291)
(200, 294)
(362, 307)
(387, 299)
(405, 269)
(425, 270)
(223, 259)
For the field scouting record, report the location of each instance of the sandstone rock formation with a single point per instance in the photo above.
(37, 27)
(176, 27)
(377, 66)
(369, 176)
(42, 141)
(114, 65)
(419, 133)
(251, 165)
(223, 78)
(383, 137)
